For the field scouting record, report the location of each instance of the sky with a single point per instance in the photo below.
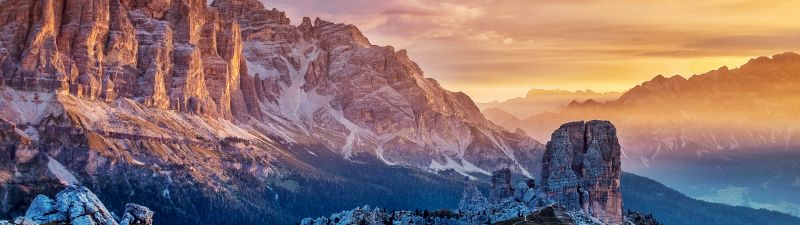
(499, 49)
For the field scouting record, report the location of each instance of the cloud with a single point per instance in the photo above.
(748, 42)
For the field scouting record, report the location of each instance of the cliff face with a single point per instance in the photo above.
(166, 54)
(581, 169)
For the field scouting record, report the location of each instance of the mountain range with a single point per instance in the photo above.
(747, 107)
(226, 113)
(538, 101)
(698, 124)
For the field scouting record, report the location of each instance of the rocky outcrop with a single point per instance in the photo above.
(500, 185)
(78, 206)
(638, 218)
(472, 199)
(581, 170)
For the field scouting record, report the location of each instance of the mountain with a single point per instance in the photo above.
(543, 100)
(502, 118)
(692, 133)
(228, 114)
(752, 106)
(672, 207)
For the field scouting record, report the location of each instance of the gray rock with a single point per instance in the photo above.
(77, 205)
(136, 215)
(501, 185)
(18, 221)
(581, 170)
(472, 199)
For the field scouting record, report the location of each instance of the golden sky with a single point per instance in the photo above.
(499, 49)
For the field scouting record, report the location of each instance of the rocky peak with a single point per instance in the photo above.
(639, 218)
(472, 199)
(581, 169)
(778, 58)
(500, 185)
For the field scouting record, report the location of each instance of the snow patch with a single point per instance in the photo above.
(464, 168)
(276, 193)
(32, 133)
(61, 172)
(256, 69)
(165, 194)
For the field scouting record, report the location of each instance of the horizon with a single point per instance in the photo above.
(467, 47)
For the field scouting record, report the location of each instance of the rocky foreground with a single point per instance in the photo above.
(76, 205)
(580, 185)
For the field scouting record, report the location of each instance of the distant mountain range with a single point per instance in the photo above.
(684, 132)
(542, 100)
(753, 106)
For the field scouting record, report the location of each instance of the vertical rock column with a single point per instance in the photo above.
(501, 185)
(581, 169)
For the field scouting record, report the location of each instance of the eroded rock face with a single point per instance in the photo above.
(167, 54)
(136, 215)
(638, 218)
(77, 205)
(472, 199)
(581, 169)
(500, 185)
